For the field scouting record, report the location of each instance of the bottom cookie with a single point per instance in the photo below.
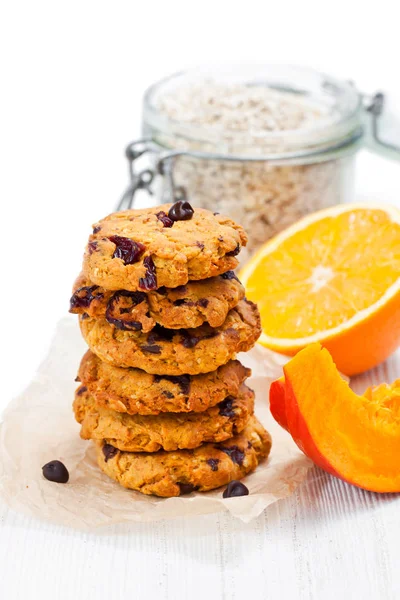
(180, 472)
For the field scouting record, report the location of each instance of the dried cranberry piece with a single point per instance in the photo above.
(83, 297)
(151, 348)
(114, 311)
(234, 452)
(164, 218)
(126, 249)
(149, 281)
(109, 451)
(213, 462)
(92, 247)
(181, 211)
(229, 275)
(226, 407)
(203, 302)
(182, 380)
(187, 488)
(81, 390)
(234, 489)
(234, 252)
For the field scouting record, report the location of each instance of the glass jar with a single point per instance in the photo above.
(263, 144)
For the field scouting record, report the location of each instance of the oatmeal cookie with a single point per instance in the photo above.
(146, 249)
(182, 471)
(167, 431)
(175, 351)
(187, 306)
(134, 391)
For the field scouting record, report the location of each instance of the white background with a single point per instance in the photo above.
(72, 77)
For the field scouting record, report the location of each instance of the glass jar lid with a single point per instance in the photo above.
(254, 112)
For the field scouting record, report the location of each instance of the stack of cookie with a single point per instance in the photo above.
(164, 315)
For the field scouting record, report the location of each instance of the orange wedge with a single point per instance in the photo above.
(333, 278)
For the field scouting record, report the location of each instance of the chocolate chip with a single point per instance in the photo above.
(168, 394)
(77, 378)
(203, 302)
(249, 445)
(164, 218)
(81, 390)
(181, 289)
(183, 301)
(234, 489)
(234, 252)
(96, 229)
(162, 291)
(187, 488)
(220, 238)
(213, 462)
(92, 247)
(189, 341)
(84, 316)
(234, 453)
(181, 211)
(200, 245)
(109, 451)
(83, 297)
(226, 407)
(149, 281)
(229, 275)
(55, 471)
(216, 213)
(151, 348)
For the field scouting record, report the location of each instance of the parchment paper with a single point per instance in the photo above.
(39, 426)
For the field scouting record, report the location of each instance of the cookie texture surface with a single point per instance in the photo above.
(187, 306)
(134, 391)
(142, 250)
(175, 352)
(179, 472)
(167, 431)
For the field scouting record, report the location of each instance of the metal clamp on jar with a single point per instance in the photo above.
(263, 144)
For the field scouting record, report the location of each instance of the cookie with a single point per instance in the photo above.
(182, 471)
(188, 306)
(167, 431)
(134, 391)
(145, 250)
(175, 351)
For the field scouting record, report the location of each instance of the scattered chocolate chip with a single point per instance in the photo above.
(81, 390)
(55, 471)
(84, 316)
(149, 281)
(229, 275)
(126, 249)
(213, 462)
(164, 218)
(226, 407)
(203, 302)
(115, 310)
(234, 453)
(168, 394)
(109, 451)
(182, 380)
(187, 488)
(181, 211)
(151, 348)
(83, 297)
(200, 245)
(234, 252)
(96, 229)
(92, 247)
(234, 489)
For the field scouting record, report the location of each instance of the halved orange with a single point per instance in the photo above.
(333, 278)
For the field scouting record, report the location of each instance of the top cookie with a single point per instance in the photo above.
(166, 245)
